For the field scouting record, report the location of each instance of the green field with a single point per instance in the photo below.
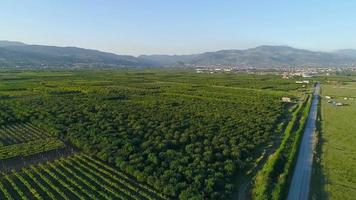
(180, 134)
(58, 176)
(336, 175)
(23, 140)
(75, 177)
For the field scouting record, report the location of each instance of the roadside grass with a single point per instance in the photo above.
(338, 145)
(272, 181)
(317, 182)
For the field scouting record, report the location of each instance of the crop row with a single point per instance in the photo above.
(30, 148)
(20, 133)
(75, 177)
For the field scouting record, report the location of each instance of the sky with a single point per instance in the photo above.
(134, 27)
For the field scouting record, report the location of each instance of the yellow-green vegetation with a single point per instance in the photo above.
(30, 148)
(271, 182)
(24, 139)
(335, 176)
(75, 177)
(20, 133)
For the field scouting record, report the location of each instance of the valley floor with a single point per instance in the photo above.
(336, 174)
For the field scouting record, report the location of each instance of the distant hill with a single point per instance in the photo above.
(22, 55)
(262, 56)
(4, 43)
(347, 52)
(169, 60)
(18, 54)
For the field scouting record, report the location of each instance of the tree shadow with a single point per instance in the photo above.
(319, 179)
(319, 176)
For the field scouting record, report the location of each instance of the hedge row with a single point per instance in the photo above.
(272, 180)
(30, 148)
(280, 190)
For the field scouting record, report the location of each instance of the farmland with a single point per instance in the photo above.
(138, 134)
(335, 176)
(75, 177)
(21, 141)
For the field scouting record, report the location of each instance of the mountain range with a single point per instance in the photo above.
(23, 55)
(18, 54)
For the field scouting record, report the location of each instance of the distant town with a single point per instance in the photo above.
(286, 72)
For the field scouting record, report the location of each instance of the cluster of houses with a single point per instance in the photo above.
(299, 73)
(286, 99)
(212, 71)
(331, 101)
(287, 72)
(302, 82)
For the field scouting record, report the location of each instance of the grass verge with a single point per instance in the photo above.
(272, 181)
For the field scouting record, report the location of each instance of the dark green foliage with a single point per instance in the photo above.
(187, 135)
(171, 143)
(74, 177)
(30, 148)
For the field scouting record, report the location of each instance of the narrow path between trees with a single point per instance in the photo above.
(299, 188)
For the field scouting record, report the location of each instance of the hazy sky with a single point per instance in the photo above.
(180, 26)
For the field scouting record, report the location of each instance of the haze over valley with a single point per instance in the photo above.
(40, 56)
(177, 100)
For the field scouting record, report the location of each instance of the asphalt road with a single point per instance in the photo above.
(299, 188)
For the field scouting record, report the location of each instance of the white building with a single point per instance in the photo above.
(286, 99)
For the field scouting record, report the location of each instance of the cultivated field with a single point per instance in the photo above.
(170, 134)
(20, 142)
(58, 175)
(336, 175)
(74, 177)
